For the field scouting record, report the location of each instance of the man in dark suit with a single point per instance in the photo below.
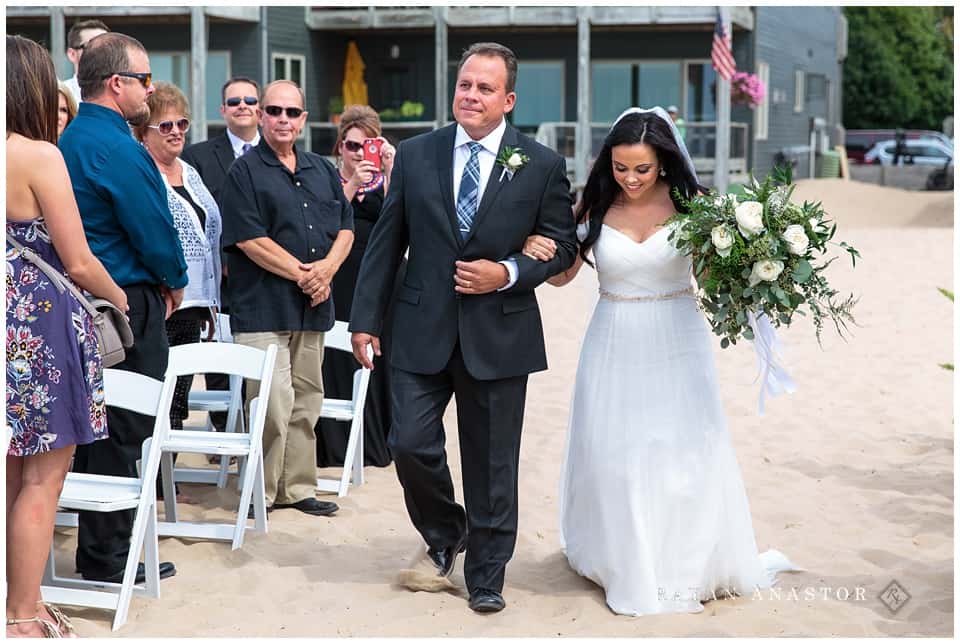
(466, 320)
(212, 159)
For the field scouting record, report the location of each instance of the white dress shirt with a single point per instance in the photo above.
(237, 143)
(486, 157)
(74, 88)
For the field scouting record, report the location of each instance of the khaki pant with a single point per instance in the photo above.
(296, 395)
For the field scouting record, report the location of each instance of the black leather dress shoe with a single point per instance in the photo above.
(487, 601)
(446, 558)
(312, 506)
(167, 569)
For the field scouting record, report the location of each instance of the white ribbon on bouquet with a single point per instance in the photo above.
(774, 378)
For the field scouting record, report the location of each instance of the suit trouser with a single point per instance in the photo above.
(296, 396)
(103, 540)
(489, 420)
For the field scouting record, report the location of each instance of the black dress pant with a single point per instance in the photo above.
(489, 420)
(104, 537)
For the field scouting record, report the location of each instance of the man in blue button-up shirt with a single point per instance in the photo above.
(123, 205)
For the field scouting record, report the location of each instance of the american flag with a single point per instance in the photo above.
(721, 55)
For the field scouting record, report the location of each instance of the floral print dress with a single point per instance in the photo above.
(54, 372)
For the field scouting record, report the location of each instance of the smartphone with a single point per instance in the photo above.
(371, 152)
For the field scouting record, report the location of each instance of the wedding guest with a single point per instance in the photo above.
(197, 219)
(127, 222)
(54, 372)
(366, 186)
(212, 159)
(66, 108)
(77, 38)
(288, 229)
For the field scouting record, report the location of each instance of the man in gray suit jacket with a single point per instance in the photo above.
(466, 320)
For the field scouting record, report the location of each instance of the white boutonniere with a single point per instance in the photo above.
(512, 160)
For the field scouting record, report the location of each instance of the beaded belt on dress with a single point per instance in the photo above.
(687, 292)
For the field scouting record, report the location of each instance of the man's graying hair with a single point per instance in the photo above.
(497, 50)
(106, 54)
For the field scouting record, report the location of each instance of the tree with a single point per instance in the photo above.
(899, 67)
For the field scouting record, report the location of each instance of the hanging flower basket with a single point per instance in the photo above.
(746, 89)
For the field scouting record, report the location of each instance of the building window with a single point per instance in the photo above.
(799, 90)
(701, 92)
(611, 90)
(761, 115)
(659, 83)
(542, 97)
(174, 67)
(617, 85)
(288, 67)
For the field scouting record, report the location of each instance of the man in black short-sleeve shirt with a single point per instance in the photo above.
(290, 228)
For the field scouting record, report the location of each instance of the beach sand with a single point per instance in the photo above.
(851, 477)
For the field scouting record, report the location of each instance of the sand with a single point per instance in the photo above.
(851, 476)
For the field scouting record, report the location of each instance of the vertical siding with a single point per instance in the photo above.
(288, 34)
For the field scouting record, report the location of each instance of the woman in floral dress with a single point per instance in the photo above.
(54, 373)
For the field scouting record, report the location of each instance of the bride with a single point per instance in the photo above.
(652, 504)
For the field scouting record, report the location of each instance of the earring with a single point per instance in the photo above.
(663, 172)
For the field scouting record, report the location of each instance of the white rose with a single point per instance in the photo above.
(796, 238)
(817, 227)
(722, 238)
(514, 161)
(766, 270)
(750, 218)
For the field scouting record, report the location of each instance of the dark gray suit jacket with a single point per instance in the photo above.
(500, 333)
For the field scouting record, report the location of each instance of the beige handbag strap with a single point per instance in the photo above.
(56, 277)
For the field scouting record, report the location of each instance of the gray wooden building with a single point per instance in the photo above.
(628, 55)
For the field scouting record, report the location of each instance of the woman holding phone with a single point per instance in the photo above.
(365, 183)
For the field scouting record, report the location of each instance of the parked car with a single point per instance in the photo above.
(915, 151)
(859, 142)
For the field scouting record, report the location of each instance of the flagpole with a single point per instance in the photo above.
(721, 167)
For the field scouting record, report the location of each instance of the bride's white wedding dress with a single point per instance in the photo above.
(652, 503)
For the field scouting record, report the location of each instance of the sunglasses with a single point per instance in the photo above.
(233, 101)
(166, 127)
(145, 78)
(353, 146)
(276, 110)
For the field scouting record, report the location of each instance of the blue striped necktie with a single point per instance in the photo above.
(243, 150)
(468, 197)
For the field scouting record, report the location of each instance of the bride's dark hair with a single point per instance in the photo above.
(602, 189)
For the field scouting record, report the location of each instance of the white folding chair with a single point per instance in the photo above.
(229, 401)
(231, 359)
(338, 339)
(101, 493)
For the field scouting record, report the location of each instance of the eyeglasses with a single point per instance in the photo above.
(233, 101)
(353, 146)
(166, 127)
(276, 110)
(145, 78)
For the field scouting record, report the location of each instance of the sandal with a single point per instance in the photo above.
(49, 629)
(64, 625)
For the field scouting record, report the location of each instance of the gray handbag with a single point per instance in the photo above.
(110, 323)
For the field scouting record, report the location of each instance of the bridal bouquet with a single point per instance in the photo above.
(761, 255)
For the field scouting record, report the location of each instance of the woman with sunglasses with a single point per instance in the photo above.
(197, 219)
(366, 185)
